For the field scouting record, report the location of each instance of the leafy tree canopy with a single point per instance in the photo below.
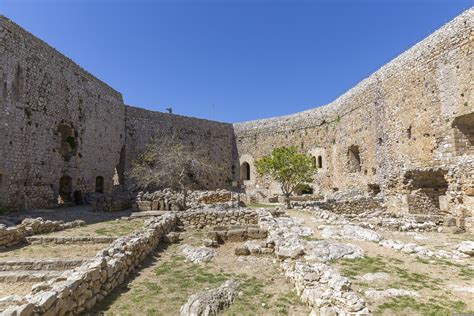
(288, 167)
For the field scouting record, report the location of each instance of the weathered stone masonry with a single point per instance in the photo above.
(64, 133)
(406, 131)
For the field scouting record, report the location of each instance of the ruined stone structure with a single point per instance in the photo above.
(407, 131)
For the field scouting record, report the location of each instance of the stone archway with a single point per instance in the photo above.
(245, 174)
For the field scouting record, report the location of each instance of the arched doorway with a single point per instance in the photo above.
(65, 188)
(99, 184)
(245, 171)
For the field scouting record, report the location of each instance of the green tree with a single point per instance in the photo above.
(287, 167)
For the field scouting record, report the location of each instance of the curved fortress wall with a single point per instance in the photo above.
(415, 112)
(60, 127)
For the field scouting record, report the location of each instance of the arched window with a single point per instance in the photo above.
(65, 188)
(245, 171)
(99, 184)
(320, 162)
(313, 160)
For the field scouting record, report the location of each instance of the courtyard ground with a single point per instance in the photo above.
(167, 280)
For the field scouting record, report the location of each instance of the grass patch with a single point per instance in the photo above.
(405, 279)
(310, 238)
(354, 267)
(409, 305)
(262, 205)
(119, 228)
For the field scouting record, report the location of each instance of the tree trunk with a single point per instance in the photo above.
(185, 196)
(287, 200)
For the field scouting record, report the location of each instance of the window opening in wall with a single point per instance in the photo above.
(409, 132)
(65, 189)
(99, 184)
(313, 159)
(464, 134)
(68, 138)
(245, 171)
(354, 159)
(320, 162)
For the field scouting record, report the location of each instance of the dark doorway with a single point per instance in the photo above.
(99, 184)
(245, 171)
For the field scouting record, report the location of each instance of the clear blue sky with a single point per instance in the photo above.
(251, 59)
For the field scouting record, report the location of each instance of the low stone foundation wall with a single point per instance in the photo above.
(10, 236)
(92, 281)
(348, 206)
(36, 240)
(168, 200)
(212, 217)
(36, 265)
(113, 202)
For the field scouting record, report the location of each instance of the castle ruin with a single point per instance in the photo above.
(406, 132)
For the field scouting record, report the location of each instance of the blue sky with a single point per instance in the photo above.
(232, 60)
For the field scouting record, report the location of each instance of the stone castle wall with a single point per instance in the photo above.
(407, 130)
(56, 120)
(64, 133)
(412, 113)
(214, 140)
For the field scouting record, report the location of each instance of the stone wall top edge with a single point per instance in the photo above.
(458, 26)
(7, 23)
(150, 114)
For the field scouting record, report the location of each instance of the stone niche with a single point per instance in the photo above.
(427, 191)
(463, 127)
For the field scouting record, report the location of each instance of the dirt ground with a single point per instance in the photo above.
(438, 282)
(18, 288)
(51, 251)
(167, 281)
(111, 228)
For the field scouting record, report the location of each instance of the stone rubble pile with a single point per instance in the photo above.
(81, 288)
(169, 200)
(380, 219)
(317, 284)
(350, 232)
(324, 289)
(326, 250)
(211, 302)
(10, 236)
(423, 252)
(198, 254)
